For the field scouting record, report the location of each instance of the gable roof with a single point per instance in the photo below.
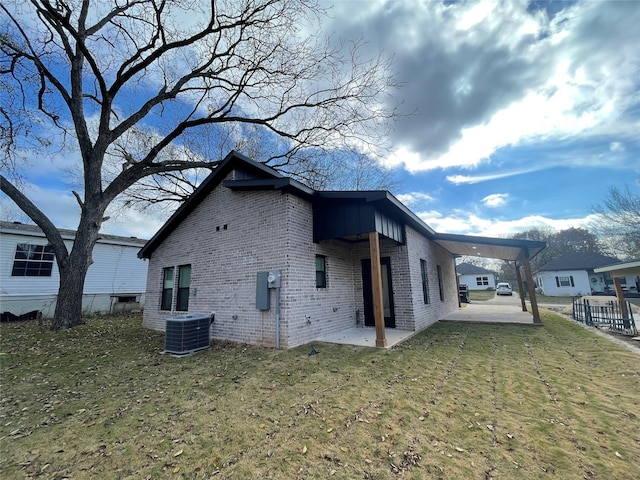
(578, 261)
(469, 269)
(385, 207)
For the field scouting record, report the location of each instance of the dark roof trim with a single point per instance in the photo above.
(385, 202)
(285, 184)
(382, 201)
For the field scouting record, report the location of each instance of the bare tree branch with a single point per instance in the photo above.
(35, 214)
(132, 82)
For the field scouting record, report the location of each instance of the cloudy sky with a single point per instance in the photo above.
(523, 114)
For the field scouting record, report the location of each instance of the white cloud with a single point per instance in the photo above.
(414, 198)
(496, 200)
(484, 76)
(616, 147)
(463, 222)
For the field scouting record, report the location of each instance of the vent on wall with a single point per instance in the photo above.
(187, 334)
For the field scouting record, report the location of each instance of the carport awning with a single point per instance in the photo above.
(621, 269)
(488, 247)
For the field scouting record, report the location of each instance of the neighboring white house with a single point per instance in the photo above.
(573, 274)
(29, 276)
(476, 278)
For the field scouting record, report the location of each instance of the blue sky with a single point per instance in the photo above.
(523, 114)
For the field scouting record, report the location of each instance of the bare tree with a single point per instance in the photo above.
(618, 221)
(129, 80)
(559, 242)
(343, 169)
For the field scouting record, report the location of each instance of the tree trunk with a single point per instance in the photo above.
(69, 304)
(73, 271)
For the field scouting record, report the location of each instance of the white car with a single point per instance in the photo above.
(503, 289)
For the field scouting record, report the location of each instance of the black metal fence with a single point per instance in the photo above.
(616, 315)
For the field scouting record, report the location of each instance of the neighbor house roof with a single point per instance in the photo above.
(469, 269)
(578, 261)
(335, 212)
(18, 228)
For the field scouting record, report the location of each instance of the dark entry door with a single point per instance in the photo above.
(387, 293)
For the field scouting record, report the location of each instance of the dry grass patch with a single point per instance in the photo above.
(457, 401)
(481, 295)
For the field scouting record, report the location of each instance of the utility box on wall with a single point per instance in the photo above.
(273, 279)
(262, 291)
(264, 282)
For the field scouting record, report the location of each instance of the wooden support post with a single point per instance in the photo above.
(376, 282)
(520, 288)
(532, 291)
(455, 272)
(620, 297)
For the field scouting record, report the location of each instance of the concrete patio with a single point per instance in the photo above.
(499, 310)
(366, 336)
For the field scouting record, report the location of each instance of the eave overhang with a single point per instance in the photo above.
(623, 269)
(489, 247)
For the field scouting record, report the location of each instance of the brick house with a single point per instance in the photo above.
(245, 220)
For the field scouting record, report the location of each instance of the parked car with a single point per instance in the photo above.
(503, 289)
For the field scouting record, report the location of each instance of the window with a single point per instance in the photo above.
(184, 282)
(425, 281)
(481, 281)
(440, 282)
(167, 288)
(321, 271)
(564, 281)
(32, 261)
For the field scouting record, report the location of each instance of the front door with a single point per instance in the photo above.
(387, 293)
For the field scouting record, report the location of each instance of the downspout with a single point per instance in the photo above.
(277, 317)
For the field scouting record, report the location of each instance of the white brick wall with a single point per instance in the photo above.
(427, 314)
(231, 236)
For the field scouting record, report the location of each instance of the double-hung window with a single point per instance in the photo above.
(184, 283)
(440, 282)
(565, 281)
(167, 288)
(425, 280)
(321, 271)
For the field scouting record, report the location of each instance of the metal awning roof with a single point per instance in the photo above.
(489, 247)
(621, 269)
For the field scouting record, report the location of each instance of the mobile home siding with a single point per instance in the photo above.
(116, 270)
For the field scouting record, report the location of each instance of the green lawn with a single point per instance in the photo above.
(456, 401)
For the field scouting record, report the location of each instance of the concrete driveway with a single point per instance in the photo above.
(501, 309)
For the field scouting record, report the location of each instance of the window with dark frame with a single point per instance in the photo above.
(440, 283)
(565, 281)
(32, 260)
(425, 281)
(167, 288)
(482, 281)
(321, 271)
(184, 284)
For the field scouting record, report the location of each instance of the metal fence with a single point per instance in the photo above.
(614, 314)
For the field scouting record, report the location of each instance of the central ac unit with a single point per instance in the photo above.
(186, 334)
